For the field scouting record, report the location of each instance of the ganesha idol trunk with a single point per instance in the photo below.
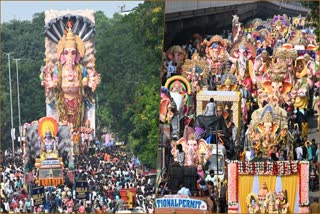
(69, 76)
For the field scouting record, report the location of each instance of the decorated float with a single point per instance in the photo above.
(47, 147)
(268, 187)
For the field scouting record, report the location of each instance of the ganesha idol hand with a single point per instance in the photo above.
(52, 84)
(92, 84)
(85, 81)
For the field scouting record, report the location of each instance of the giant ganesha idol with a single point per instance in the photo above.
(69, 76)
(242, 53)
(215, 53)
(264, 127)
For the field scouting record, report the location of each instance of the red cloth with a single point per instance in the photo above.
(72, 103)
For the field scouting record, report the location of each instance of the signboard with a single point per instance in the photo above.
(49, 162)
(38, 195)
(180, 201)
(82, 190)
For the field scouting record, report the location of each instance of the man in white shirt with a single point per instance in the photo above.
(299, 153)
(212, 177)
(210, 108)
(6, 206)
(183, 190)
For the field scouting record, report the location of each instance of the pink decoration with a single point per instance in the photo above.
(107, 139)
(303, 209)
(304, 184)
(232, 183)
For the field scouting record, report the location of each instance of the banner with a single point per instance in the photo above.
(38, 195)
(82, 190)
(178, 201)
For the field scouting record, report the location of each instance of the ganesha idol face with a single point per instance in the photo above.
(70, 77)
(69, 55)
(277, 88)
(193, 144)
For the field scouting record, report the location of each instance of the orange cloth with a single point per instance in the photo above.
(106, 157)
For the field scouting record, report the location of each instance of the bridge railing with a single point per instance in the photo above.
(180, 6)
(289, 6)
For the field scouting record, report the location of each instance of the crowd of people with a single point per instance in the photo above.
(107, 171)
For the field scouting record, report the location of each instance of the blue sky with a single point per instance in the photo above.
(23, 10)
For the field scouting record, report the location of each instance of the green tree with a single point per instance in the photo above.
(25, 39)
(129, 100)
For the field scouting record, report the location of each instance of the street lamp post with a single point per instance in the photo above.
(19, 116)
(10, 89)
(216, 132)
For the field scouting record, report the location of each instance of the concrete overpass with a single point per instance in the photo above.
(184, 18)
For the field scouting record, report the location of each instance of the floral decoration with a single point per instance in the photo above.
(268, 168)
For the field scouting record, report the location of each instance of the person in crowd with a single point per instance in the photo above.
(274, 157)
(210, 108)
(299, 152)
(282, 156)
(299, 118)
(313, 148)
(180, 155)
(163, 189)
(258, 157)
(184, 190)
(212, 177)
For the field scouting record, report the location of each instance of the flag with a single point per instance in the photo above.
(107, 139)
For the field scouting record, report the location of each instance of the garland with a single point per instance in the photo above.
(237, 183)
(304, 185)
(62, 107)
(233, 203)
(299, 169)
(278, 168)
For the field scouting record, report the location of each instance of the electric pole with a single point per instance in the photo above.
(18, 93)
(10, 89)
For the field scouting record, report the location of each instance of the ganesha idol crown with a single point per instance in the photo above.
(227, 81)
(70, 40)
(192, 137)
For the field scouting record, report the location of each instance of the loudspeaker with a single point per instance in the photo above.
(190, 178)
(176, 177)
(190, 171)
